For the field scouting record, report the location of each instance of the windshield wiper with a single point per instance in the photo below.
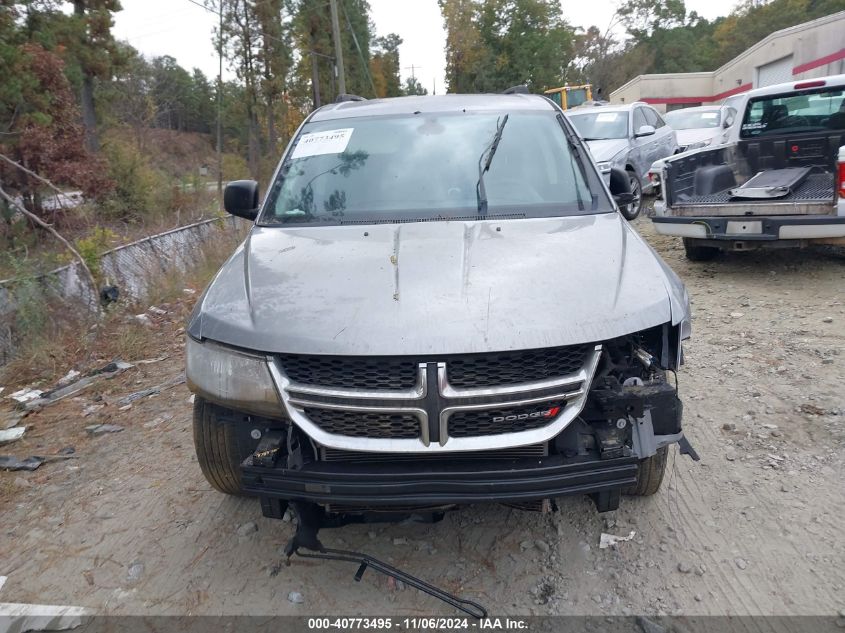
(480, 191)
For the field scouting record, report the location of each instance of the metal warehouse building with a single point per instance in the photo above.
(812, 49)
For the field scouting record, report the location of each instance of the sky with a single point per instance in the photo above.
(183, 30)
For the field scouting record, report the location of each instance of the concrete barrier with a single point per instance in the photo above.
(132, 267)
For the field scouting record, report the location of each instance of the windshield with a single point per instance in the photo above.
(427, 166)
(684, 120)
(601, 125)
(804, 112)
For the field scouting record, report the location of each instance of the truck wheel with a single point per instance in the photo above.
(699, 253)
(650, 474)
(217, 449)
(631, 211)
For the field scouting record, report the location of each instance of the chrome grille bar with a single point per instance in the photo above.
(447, 412)
(435, 409)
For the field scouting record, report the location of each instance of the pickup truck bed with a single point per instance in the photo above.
(817, 187)
(706, 177)
(697, 203)
(779, 181)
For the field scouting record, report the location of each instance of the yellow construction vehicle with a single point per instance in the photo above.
(570, 96)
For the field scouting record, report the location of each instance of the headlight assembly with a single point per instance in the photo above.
(700, 144)
(232, 378)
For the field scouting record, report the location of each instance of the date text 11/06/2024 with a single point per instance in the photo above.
(416, 624)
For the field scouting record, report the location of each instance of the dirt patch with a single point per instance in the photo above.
(130, 525)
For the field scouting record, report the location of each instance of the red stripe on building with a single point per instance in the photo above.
(670, 100)
(821, 61)
(732, 92)
(679, 100)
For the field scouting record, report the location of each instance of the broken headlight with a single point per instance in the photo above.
(699, 144)
(233, 378)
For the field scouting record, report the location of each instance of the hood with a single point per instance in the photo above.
(438, 287)
(688, 137)
(606, 149)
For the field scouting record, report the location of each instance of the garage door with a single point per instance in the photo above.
(776, 72)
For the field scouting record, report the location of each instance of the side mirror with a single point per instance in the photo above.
(240, 198)
(620, 187)
(623, 199)
(729, 121)
(645, 130)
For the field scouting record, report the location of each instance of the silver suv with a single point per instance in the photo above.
(628, 137)
(439, 304)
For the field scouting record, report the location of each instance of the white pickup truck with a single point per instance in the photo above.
(779, 181)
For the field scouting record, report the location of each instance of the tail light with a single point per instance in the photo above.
(654, 179)
(809, 84)
(841, 178)
(840, 173)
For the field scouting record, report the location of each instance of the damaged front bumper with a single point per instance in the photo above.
(597, 455)
(428, 483)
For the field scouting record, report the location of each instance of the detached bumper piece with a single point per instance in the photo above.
(427, 484)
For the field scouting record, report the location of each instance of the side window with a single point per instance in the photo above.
(639, 119)
(653, 118)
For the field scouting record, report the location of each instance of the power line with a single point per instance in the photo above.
(262, 33)
(358, 46)
(281, 41)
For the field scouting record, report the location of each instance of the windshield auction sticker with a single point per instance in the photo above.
(606, 116)
(328, 142)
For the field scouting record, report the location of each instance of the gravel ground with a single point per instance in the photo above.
(129, 526)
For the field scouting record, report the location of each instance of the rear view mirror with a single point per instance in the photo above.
(240, 198)
(645, 130)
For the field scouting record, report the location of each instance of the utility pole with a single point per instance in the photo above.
(413, 77)
(315, 77)
(220, 108)
(338, 49)
(413, 69)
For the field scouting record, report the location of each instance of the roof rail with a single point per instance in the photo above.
(516, 90)
(342, 98)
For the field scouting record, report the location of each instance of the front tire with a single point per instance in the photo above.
(217, 449)
(697, 253)
(631, 211)
(650, 474)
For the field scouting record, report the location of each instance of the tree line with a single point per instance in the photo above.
(78, 106)
(494, 44)
(69, 84)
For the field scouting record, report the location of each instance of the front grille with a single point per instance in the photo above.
(351, 372)
(465, 371)
(412, 404)
(518, 452)
(358, 424)
(508, 368)
(505, 420)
